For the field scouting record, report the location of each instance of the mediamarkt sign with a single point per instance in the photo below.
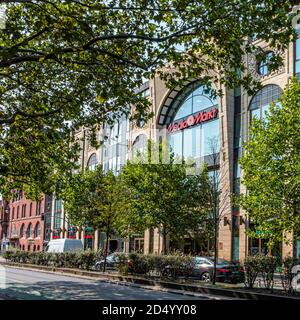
(193, 120)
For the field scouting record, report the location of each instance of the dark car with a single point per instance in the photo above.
(226, 271)
(202, 268)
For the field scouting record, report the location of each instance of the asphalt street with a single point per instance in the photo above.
(34, 285)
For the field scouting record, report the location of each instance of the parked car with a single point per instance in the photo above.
(112, 261)
(64, 245)
(226, 271)
(202, 269)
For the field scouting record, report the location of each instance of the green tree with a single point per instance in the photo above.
(67, 64)
(271, 169)
(163, 196)
(94, 199)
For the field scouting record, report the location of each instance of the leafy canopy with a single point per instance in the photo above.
(271, 169)
(67, 64)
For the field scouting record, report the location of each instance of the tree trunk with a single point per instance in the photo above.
(164, 242)
(106, 245)
(215, 252)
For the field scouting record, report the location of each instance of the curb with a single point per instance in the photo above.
(171, 287)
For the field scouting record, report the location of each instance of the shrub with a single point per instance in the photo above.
(177, 264)
(286, 274)
(7, 255)
(86, 259)
(139, 263)
(251, 269)
(267, 267)
(122, 263)
(71, 259)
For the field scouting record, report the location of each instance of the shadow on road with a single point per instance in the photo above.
(71, 290)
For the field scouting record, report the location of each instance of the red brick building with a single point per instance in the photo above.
(4, 222)
(26, 223)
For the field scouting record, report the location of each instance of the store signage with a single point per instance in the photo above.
(193, 120)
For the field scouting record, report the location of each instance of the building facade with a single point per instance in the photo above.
(25, 228)
(199, 126)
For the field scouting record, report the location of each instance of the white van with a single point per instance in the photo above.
(64, 245)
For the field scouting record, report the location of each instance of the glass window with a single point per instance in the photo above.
(22, 231)
(176, 143)
(30, 231)
(297, 56)
(237, 131)
(260, 103)
(92, 162)
(38, 230)
(262, 67)
(210, 138)
(188, 143)
(30, 210)
(201, 103)
(184, 110)
(139, 145)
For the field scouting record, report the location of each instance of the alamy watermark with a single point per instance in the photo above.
(296, 278)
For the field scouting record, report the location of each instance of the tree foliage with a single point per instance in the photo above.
(163, 196)
(67, 64)
(271, 169)
(92, 198)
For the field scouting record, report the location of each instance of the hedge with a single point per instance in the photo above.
(83, 259)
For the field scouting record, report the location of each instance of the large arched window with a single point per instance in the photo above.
(92, 162)
(22, 231)
(30, 231)
(194, 130)
(37, 232)
(139, 145)
(260, 103)
(199, 99)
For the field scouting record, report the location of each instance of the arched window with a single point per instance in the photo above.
(139, 145)
(92, 162)
(30, 209)
(37, 230)
(263, 65)
(30, 231)
(199, 99)
(194, 127)
(260, 103)
(22, 231)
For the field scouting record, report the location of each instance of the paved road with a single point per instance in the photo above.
(34, 285)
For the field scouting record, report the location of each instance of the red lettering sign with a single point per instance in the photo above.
(192, 120)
